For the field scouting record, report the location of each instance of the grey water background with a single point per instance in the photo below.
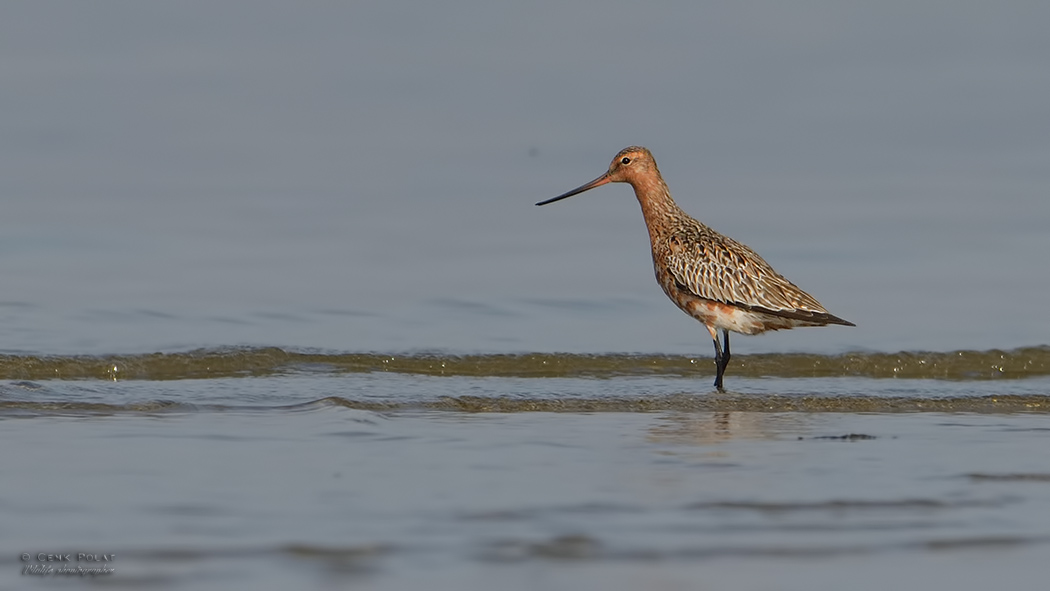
(361, 177)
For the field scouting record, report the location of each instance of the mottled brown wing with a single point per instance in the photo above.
(716, 267)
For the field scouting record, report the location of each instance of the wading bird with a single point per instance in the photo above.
(711, 277)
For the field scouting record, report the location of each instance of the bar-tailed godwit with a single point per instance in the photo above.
(711, 277)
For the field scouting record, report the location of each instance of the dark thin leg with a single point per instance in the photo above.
(719, 370)
(725, 351)
(722, 356)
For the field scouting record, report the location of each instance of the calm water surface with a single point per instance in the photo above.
(361, 177)
(278, 311)
(393, 481)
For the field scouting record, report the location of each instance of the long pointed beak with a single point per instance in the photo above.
(595, 183)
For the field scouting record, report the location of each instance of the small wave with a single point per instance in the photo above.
(15, 408)
(269, 361)
(500, 404)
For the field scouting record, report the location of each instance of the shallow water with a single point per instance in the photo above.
(313, 475)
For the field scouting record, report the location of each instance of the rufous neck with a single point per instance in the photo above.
(658, 207)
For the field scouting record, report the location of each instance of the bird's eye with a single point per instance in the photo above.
(625, 160)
